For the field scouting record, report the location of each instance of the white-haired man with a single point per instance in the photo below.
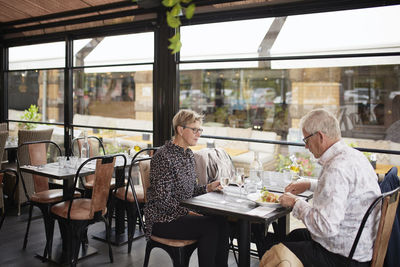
(343, 192)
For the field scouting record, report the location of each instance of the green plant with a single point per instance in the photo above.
(30, 114)
(176, 8)
(303, 160)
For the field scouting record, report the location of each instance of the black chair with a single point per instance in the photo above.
(390, 201)
(96, 148)
(179, 250)
(14, 172)
(38, 153)
(132, 197)
(75, 215)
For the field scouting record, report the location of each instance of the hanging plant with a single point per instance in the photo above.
(176, 8)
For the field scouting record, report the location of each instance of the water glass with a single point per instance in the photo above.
(250, 187)
(73, 160)
(287, 177)
(62, 161)
(240, 181)
(224, 181)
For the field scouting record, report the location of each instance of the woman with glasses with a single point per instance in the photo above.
(173, 179)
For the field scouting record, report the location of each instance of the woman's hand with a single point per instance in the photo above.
(298, 187)
(214, 186)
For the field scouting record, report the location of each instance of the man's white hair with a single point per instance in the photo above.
(323, 121)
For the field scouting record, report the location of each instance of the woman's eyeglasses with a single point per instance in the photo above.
(195, 130)
(305, 139)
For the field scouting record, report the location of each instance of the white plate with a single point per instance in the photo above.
(256, 197)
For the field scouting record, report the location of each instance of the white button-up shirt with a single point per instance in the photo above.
(345, 189)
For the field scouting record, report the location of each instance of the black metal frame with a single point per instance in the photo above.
(12, 192)
(44, 207)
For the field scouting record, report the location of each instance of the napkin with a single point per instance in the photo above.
(261, 211)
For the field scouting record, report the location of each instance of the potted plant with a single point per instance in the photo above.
(30, 114)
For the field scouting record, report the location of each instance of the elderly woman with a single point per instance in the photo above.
(172, 179)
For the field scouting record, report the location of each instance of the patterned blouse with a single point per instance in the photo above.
(172, 179)
(345, 189)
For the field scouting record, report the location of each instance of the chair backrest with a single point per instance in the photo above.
(37, 153)
(95, 144)
(3, 139)
(3, 126)
(144, 170)
(101, 186)
(388, 212)
(210, 162)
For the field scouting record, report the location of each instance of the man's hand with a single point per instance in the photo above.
(298, 187)
(214, 186)
(287, 200)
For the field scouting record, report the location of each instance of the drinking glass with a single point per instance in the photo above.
(240, 182)
(224, 181)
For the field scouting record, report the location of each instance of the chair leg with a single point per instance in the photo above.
(132, 217)
(27, 228)
(108, 233)
(149, 247)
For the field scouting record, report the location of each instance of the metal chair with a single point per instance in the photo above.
(132, 197)
(26, 136)
(96, 149)
(14, 172)
(390, 201)
(77, 214)
(3, 139)
(38, 153)
(179, 250)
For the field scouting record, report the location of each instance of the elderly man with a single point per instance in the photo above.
(346, 187)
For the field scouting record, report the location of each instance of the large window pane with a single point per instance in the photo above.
(51, 55)
(121, 49)
(341, 32)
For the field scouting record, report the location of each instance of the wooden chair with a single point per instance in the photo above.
(26, 136)
(388, 213)
(77, 214)
(38, 153)
(3, 139)
(179, 250)
(96, 148)
(131, 197)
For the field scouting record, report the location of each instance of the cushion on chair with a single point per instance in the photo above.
(80, 209)
(280, 256)
(172, 242)
(50, 196)
(139, 194)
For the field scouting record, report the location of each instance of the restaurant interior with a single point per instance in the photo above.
(107, 69)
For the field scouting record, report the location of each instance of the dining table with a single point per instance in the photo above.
(230, 203)
(67, 175)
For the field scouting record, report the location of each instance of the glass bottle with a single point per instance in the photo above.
(85, 146)
(294, 167)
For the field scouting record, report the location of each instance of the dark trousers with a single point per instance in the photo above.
(211, 233)
(313, 254)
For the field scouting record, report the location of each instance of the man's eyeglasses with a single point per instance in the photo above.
(305, 139)
(195, 130)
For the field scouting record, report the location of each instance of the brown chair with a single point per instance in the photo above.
(26, 136)
(38, 153)
(3, 139)
(179, 250)
(388, 213)
(3, 126)
(131, 197)
(77, 214)
(96, 148)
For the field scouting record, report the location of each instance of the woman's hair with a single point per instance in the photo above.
(185, 117)
(323, 121)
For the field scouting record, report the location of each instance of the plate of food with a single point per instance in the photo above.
(265, 198)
